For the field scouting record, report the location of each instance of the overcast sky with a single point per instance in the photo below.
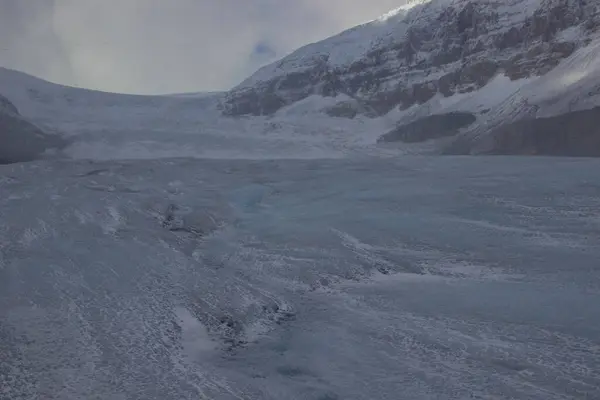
(165, 46)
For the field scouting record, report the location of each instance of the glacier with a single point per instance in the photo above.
(416, 278)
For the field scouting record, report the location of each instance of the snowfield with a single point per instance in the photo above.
(413, 278)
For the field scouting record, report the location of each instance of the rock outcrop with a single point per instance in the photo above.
(20, 140)
(432, 127)
(7, 107)
(573, 134)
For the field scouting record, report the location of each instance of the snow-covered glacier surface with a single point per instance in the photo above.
(355, 278)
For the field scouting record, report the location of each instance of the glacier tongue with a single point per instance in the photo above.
(224, 279)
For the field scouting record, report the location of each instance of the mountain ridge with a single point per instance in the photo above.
(436, 46)
(409, 63)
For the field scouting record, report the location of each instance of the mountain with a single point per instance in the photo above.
(433, 77)
(501, 61)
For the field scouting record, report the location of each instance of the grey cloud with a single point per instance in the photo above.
(157, 46)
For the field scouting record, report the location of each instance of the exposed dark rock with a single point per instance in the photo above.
(20, 140)
(342, 110)
(347, 109)
(575, 134)
(7, 107)
(251, 102)
(431, 127)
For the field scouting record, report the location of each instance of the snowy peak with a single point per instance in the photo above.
(418, 51)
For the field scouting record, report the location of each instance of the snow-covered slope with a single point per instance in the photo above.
(441, 56)
(555, 114)
(70, 109)
(102, 125)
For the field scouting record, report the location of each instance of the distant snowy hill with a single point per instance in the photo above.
(502, 61)
(112, 126)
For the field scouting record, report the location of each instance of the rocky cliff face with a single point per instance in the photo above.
(443, 47)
